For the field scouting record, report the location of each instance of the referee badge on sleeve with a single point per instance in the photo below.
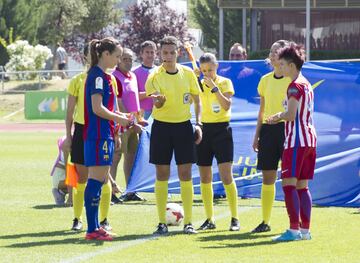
(99, 83)
(186, 98)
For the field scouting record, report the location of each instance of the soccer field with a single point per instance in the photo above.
(34, 230)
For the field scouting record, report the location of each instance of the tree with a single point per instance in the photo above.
(206, 15)
(100, 21)
(152, 20)
(100, 14)
(17, 19)
(59, 19)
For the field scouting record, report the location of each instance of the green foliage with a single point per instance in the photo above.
(17, 19)
(48, 22)
(59, 18)
(206, 14)
(100, 14)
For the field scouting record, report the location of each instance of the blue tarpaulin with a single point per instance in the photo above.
(337, 122)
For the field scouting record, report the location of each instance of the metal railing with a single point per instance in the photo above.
(41, 76)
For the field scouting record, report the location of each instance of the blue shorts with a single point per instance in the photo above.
(98, 152)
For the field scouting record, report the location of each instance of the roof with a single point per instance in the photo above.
(296, 4)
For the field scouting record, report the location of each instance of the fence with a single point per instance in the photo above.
(21, 81)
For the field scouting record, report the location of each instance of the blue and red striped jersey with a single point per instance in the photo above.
(98, 82)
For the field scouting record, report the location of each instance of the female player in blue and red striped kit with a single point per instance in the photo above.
(100, 133)
(299, 156)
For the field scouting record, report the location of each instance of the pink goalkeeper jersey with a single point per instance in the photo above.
(142, 72)
(301, 132)
(129, 86)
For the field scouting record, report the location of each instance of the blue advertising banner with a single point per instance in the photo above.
(337, 122)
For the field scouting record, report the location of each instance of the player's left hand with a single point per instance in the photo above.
(273, 119)
(198, 134)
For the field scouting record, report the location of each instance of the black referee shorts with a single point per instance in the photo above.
(271, 146)
(217, 141)
(77, 145)
(168, 138)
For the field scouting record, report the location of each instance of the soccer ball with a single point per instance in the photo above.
(174, 214)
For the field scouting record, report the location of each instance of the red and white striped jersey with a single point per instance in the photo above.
(301, 132)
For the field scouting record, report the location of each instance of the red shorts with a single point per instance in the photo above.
(299, 163)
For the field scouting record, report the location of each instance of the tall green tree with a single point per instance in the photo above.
(51, 21)
(59, 18)
(18, 17)
(205, 13)
(100, 14)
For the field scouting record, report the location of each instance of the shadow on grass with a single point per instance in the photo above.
(48, 207)
(40, 234)
(239, 237)
(72, 240)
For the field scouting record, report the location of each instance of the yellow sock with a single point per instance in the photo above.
(105, 199)
(231, 195)
(207, 196)
(187, 196)
(161, 194)
(78, 200)
(267, 201)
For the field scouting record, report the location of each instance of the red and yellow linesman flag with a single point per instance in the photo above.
(188, 48)
(71, 175)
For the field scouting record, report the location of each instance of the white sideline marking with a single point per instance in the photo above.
(13, 113)
(131, 243)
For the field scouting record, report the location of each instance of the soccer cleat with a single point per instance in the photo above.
(219, 196)
(207, 225)
(132, 197)
(161, 229)
(261, 228)
(77, 225)
(105, 225)
(288, 236)
(235, 224)
(189, 229)
(100, 235)
(116, 200)
(306, 236)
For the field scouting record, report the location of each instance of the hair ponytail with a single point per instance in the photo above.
(94, 44)
(97, 47)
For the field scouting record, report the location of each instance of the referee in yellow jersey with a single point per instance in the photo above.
(173, 87)
(217, 140)
(269, 138)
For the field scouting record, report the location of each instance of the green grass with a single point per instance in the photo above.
(34, 230)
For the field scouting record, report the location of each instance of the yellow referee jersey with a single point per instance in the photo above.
(177, 89)
(274, 91)
(211, 109)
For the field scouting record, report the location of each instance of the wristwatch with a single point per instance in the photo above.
(214, 89)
